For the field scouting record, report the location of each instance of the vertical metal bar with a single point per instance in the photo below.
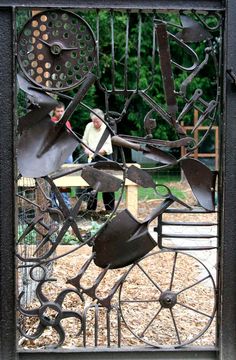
(139, 48)
(98, 44)
(96, 313)
(118, 328)
(7, 190)
(112, 52)
(153, 53)
(85, 328)
(126, 51)
(159, 231)
(219, 186)
(108, 324)
(228, 198)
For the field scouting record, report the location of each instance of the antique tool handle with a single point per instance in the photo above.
(117, 140)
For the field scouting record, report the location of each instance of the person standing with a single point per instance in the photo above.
(57, 115)
(92, 135)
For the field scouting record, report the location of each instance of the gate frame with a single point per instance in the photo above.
(227, 199)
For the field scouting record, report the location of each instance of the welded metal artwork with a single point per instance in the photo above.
(57, 51)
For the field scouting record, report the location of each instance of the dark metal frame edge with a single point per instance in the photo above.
(227, 330)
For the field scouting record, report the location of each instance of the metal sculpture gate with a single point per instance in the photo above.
(58, 50)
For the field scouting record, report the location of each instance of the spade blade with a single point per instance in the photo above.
(140, 177)
(115, 245)
(40, 104)
(101, 181)
(201, 181)
(32, 139)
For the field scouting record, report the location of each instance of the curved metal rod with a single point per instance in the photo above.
(189, 50)
(61, 297)
(40, 329)
(59, 329)
(210, 28)
(26, 312)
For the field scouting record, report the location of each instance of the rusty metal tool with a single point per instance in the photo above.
(125, 240)
(184, 141)
(150, 151)
(140, 177)
(44, 147)
(206, 113)
(190, 103)
(194, 73)
(166, 70)
(101, 181)
(47, 52)
(40, 104)
(201, 181)
(149, 124)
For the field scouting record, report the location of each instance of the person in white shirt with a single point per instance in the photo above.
(92, 135)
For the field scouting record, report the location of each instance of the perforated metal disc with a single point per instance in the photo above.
(56, 49)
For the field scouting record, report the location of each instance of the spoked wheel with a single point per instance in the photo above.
(168, 299)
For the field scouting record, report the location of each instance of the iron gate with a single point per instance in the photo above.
(225, 348)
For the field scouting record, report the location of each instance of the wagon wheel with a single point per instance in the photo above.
(56, 49)
(173, 303)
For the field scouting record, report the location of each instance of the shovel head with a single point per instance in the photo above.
(41, 104)
(115, 247)
(101, 181)
(201, 181)
(31, 141)
(140, 177)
